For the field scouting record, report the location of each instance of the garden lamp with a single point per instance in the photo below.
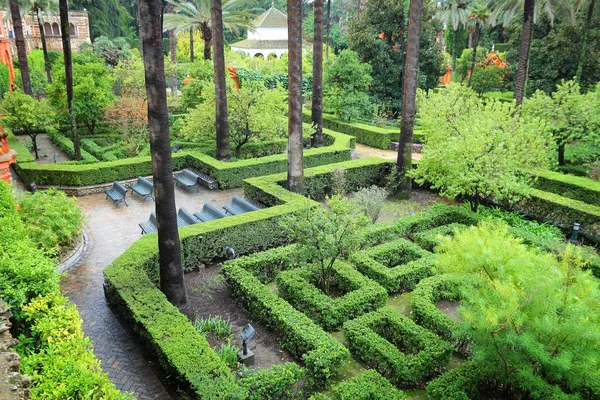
(247, 334)
(575, 233)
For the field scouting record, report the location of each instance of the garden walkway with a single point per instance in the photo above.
(363, 151)
(111, 231)
(46, 149)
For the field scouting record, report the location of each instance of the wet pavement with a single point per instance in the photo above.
(47, 151)
(363, 151)
(111, 231)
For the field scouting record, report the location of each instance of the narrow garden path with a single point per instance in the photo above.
(46, 149)
(363, 151)
(111, 231)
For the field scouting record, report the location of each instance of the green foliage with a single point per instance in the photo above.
(24, 115)
(326, 234)
(4, 80)
(530, 315)
(346, 82)
(487, 79)
(370, 201)
(52, 219)
(113, 51)
(216, 325)
(460, 161)
(251, 114)
(198, 88)
(369, 385)
(357, 294)
(396, 347)
(463, 63)
(107, 18)
(65, 145)
(266, 265)
(128, 76)
(277, 382)
(274, 79)
(456, 384)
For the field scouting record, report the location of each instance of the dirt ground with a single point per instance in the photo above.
(209, 295)
(420, 200)
(450, 308)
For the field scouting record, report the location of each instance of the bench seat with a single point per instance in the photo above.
(149, 226)
(238, 206)
(143, 187)
(117, 193)
(209, 212)
(187, 178)
(185, 218)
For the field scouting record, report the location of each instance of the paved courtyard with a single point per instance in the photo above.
(111, 231)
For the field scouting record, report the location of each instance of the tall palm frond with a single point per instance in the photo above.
(504, 11)
(195, 13)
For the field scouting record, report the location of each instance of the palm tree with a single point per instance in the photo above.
(66, 44)
(409, 92)
(222, 123)
(586, 30)
(20, 44)
(38, 7)
(506, 10)
(454, 13)
(295, 175)
(317, 91)
(328, 29)
(169, 250)
(195, 15)
(478, 16)
(173, 53)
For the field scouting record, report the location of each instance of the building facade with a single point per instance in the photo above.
(269, 37)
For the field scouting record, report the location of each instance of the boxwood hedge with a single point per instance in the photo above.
(369, 385)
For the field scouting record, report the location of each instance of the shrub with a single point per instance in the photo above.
(396, 347)
(278, 382)
(52, 219)
(370, 200)
(266, 265)
(369, 385)
(129, 116)
(456, 384)
(431, 238)
(215, 325)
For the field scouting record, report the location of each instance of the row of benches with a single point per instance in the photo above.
(209, 212)
(144, 188)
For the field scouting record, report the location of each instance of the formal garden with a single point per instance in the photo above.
(276, 260)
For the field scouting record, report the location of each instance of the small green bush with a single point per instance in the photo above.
(369, 385)
(278, 382)
(431, 238)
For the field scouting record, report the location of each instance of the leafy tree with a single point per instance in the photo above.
(252, 112)
(107, 18)
(454, 14)
(92, 94)
(533, 318)
(326, 234)
(221, 121)
(111, 50)
(25, 115)
(128, 76)
(486, 79)
(201, 75)
(347, 81)
(478, 17)
(565, 112)
(317, 74)
(129, 116)
(38, 7)
(475, 149)
(295, 165)
(15, 14)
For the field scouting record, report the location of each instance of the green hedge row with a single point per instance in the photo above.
(369, 385)
(66, 146)
(431, 238)
(369, 135)
(130, 287)
(360, 294)
(277, 382)
(54, 351)
(23, 154)
(323, 356)
(97, 151)
(425, 312)
(574, 187)
(456, 384)
(229, 174)
(265, 265)
(402, 351)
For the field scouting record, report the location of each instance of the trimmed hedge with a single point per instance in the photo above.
(23, 154)
(457, 384)
(369, 135)
(397, 266)
(229, 174)
(431, 238)
(265, 265)
(323, 356)
(361, 294)
(277, 382)
(399, 349)
(66, 146)
(369, 385)
(574, 187)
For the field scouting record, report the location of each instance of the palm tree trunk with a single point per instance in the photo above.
(409, 91)
(15, 14)
(222, 123)
(476, 36)
(317, 90)
(584, 40)
(523, 66)
(173, 53)
(66, 44)
(169, 250)
(44, 46)
(454, 52)
(191, 44)
(295, 175)
(328, 29)
(207, 36)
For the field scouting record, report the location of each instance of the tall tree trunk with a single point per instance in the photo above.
(191, 44)
(561, 154)
(44, 46)
(317, 91)
(15, 15)
(523, 66)
(476, 36)
(222, 122)
(295, 175)
(173, 53)
(584, 40)
(171, 270)
(66, 44)
(207, 36)
(470, 41)
(328, 29)
(409, 92)
(454, 52)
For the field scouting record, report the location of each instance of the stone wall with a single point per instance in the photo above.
(13, 385)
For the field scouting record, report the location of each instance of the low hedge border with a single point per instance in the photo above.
(265, 265)
(369, 135)
(369, 385)
(66, 146)
(574, 187)
(361, 294)
(229, 174)
(402, 351)
(397, 266)
(23, 154)
(431, 238)
(322, 355)
(425, 313)
(130, 288)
